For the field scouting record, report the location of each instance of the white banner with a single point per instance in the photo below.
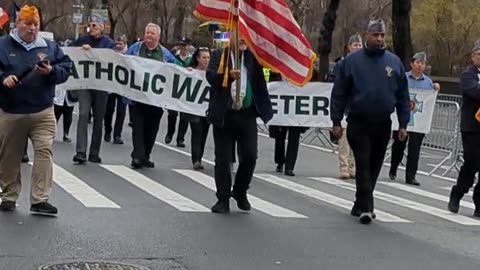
(421, 111)
(175, 88)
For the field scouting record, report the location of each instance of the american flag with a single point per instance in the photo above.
(3, 18)
(271, 33)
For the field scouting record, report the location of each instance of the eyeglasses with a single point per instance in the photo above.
(93, 25)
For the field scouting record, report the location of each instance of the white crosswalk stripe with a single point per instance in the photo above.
(440, 213)
(80, 190)
(470, 193)
(155, 189)
(424, 193)
(324, 197)
(257, 203)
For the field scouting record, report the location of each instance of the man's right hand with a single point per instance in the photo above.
(337, 132)
(86, 47)
(235, 74)
(10, 81)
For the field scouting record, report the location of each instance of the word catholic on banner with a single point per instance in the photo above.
(175, 88)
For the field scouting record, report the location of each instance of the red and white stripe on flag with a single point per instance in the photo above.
(3, 18)
(272, 34)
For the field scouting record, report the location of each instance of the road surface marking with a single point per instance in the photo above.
(156, 190)
(257, 203)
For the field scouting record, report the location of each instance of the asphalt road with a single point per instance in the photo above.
(159, 218)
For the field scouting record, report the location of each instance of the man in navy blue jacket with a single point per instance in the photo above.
(372, 83)
(91, 99)
(236, 125)
(470, 128)
(30, 67)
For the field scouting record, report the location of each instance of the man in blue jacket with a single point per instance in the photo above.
(91, 99)
(236, 123)
(146, 118)
(470, 128)
(372, 83)
(30, 67)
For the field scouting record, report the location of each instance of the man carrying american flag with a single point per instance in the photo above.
(265, 35)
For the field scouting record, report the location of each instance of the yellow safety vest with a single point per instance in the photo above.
(266, 74)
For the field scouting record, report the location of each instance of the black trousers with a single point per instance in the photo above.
(146, 122)
(182, 125)
(199, 126)
(240, 127)
(292, 149)
(67, 113)
(114, 99)
(471, 166)
(369, 143)
(398, 148)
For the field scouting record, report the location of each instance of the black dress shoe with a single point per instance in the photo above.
(136, 163)
(197, 166)
(107, 137)
(289, 173)
(117, 140)
(279, 168)
(80, 158)
(94, 159)
(366, 218)
(412, 182)
(392, 176)
(242, 201)
(25, 159)
(221, 207)
(147, 163)
(476, 213)
(66, 138)
(44, 208)
(168, 139)
(453, 205)
(7, 206)
(181, 144)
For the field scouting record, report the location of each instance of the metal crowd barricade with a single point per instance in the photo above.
(322, 135)
(444, 135)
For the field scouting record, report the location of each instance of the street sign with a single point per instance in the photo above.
(101, 12)
(77, 18)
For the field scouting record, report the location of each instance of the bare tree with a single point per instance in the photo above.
(325, 40)
(402, 40)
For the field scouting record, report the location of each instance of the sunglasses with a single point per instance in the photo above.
(93, 25)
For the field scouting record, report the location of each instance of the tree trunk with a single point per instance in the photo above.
(402, 40)
(181, 9)
(325, 39)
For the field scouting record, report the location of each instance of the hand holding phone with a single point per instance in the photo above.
(44, 67)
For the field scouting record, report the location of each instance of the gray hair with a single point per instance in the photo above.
(154, 25)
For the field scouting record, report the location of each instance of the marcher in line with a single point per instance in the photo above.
(115, 99)
(470, 128)
(199, 124)
(64, 107)
(183, 59)
(371, 83)
(416, 80)
(30, 67)
(146, 118)
(345, 153)
(94, 100)
(236, 123)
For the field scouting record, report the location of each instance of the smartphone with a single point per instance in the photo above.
(43, 63)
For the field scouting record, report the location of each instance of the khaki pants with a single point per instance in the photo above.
(345, 156)
(14, 131)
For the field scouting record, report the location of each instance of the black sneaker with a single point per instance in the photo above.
(392, 176)
(7, 206)
(66, 138)
(80, 158)
(136, 163)
(44, 208)
(25, 159)
(476, 213)
(221, 207)
(289, 172)
(197, 166)
(181, 144)
(366, 218)
(242, 201)
(168, 139)
(357, 212)
(412, 182)
(279, 168)
(94, 159)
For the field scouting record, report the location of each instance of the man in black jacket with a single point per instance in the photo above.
(372, 83)
(470, 128)
(236, 125)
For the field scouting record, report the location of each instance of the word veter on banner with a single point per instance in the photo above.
(175, 88)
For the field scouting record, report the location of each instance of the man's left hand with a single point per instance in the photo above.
(436, 86)
(44, 69)
(402, 134)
